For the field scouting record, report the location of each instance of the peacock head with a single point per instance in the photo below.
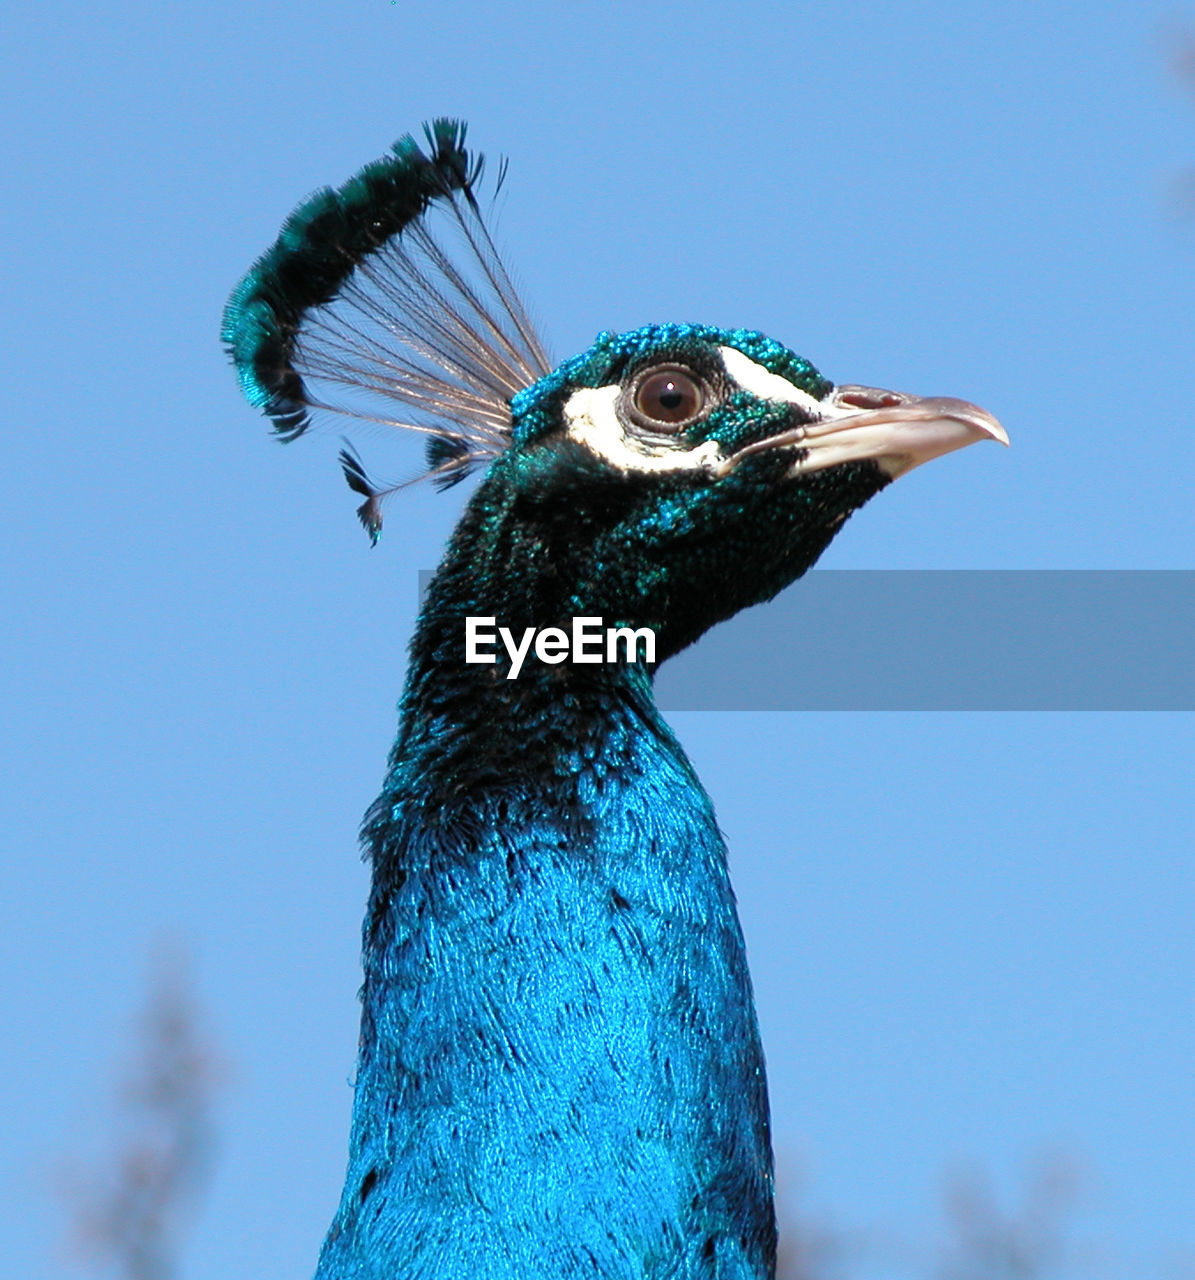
(672, 475)
(666, 477)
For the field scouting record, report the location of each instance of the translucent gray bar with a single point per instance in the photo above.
(989, 640)
(946, 640)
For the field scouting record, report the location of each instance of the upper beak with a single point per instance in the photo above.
(896, 430)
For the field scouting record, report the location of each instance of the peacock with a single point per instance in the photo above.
(559, 1071)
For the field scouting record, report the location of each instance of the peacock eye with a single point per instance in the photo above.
(668, 397)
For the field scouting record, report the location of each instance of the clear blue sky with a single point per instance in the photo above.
(971, 934)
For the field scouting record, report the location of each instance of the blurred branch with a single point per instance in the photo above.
(1181, 57)
(981, 1241)
(807, 1250)
(130, 1217)
(1028, 1244)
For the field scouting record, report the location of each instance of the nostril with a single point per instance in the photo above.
(870, 398)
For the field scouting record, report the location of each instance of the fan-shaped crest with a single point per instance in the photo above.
(363, 308)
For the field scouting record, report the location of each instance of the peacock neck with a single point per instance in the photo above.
(519, 729)
(560, 1071)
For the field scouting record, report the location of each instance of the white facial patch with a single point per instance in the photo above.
(591, 418)
(761, 382)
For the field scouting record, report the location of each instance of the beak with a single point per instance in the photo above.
(896, 430)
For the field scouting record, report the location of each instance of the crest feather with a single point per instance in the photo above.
(359, 308)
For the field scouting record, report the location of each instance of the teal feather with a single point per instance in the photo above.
(320, 245)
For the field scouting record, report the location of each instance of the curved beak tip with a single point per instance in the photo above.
(976, 421)
(986, 426)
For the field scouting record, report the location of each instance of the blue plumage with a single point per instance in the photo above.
(560, 1073)
(558, 1023)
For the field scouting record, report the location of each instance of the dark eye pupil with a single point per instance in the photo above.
(668, 397)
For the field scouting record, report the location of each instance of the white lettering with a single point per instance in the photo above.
(475, 636)
(630, 640)
(517, 652)
(587, 630)
(551, 645)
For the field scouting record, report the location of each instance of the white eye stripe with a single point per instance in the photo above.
(753, 377)
(591, 419)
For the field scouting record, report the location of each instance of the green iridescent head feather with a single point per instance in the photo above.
(357, 293)
(610, 355)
